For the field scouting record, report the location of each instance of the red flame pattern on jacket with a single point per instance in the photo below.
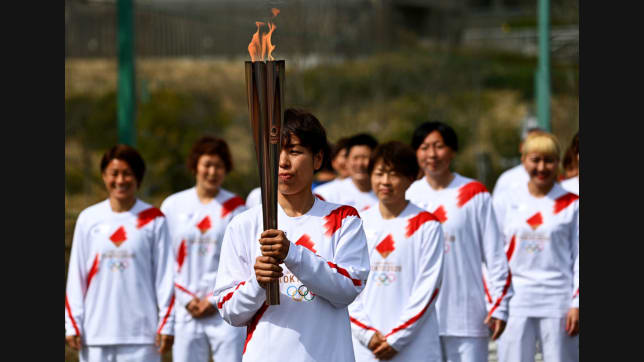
(306, 242)
(386, 246)
(335, 217)
(230, 205)
(414, 223)
(119, 236)
(148, 215)
(564, 201)
(468, 191)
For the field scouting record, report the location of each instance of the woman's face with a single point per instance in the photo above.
(388, 184)
(211, 172)
(434, 156)
(541, 167)
(120, 181)
(296, 167)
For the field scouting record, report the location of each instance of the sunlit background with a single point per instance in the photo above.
(379, 66)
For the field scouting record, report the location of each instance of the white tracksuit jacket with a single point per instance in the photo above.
(326, 268)
(509, 179)
(406, 255)
(119, 284)
(472, 237)
(571, 184)
(542, 236)
(345, 192)
(197, 231)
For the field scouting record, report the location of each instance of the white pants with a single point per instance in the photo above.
(518, 341)
(195, 338)
(464, 349)
(120, 353)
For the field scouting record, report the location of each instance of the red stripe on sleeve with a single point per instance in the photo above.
(181, 255)
(564, 201)
(230, 205)
(468, 191)
(228, 296)
(167, 314)
(414, 223)
(414, 318)
(487, 291)
(185, 290)
(148, 215)
(505, 291)
(69, 311)
(361, 325)
(344, 272)
(253, 324)
(510, 251)
(335, 217)
(576, 294)
(92, 271)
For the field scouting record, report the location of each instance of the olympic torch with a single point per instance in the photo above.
(265, 92)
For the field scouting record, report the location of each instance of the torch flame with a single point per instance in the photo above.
(259, 49)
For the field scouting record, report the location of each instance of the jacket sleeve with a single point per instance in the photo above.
(425, 288)
(76, 281)
(361, 325)
(339, 281)
(181, 298)
(237, 293)
(208, 280)
(575, 257)
(162, 268)
(492, 250)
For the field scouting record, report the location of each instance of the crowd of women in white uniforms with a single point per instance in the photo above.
(391, 263)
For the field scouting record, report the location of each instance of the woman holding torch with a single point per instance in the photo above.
(394, 318)
(540, 220)
(197, 218)
(318, 255)
(119, 296)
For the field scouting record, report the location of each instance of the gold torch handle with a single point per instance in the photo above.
(265, 90)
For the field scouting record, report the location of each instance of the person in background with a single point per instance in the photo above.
(472, 239)
(119, 297)
(197, 218)
(318, 254)
(324, 175)
(540, 223)
(355, 190)
(394, 318)
(254, 197)
(571, 166)
(515, 175)
(339, 165)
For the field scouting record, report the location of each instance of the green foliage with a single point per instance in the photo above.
(167, 125)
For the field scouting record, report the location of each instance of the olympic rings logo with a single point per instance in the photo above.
(203, 250)
(118, 265)
(300, 293)
(385, 278)
(534, 247)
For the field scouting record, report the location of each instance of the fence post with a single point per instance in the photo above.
(126, 94)
(543, 70)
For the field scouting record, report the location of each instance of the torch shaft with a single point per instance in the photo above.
(265, 90)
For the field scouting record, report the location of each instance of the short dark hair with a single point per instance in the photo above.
(447, 132)
(128, 154)
(339, 146)
(209, 145)
(396, 155)
(361, 139)
(308, 129)
(570, 157)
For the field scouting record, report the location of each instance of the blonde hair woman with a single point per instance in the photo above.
(540, 223)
